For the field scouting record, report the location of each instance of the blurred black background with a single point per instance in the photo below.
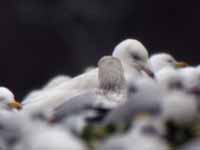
(42, 38)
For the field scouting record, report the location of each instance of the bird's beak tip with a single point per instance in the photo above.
(15, 104)
(150, 73)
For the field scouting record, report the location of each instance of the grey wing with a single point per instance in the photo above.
(75, 105)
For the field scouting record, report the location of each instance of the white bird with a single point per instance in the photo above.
(110, 93)
(133, 56)
(161, 60)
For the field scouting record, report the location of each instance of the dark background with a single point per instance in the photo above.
(42, 38)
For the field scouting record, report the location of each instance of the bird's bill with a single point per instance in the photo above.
(14, 104)
(181, 64)
(148, 71)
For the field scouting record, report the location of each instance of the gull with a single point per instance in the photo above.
(111, 90)
(110, 93)
(161, 60)
(133, 56)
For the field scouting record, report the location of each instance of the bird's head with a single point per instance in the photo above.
(133, 55)
(162, 60)
(7, 99)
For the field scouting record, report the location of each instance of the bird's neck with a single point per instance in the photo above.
(131, 68)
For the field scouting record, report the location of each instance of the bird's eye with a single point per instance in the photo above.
(170, 61)
(135, 57)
